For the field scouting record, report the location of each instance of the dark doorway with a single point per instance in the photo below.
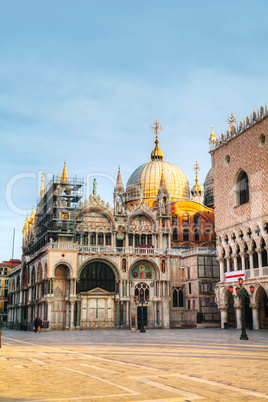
(231, 312)
(97, 274)
(145, 316)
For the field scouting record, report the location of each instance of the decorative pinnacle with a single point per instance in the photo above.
(231, 121)
(156, 128)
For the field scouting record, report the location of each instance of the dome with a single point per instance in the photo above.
(209, 189)
(149, 176)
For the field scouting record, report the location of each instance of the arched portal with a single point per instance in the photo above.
(97, 274)
(231, 311)
(97, 290)
(261, 298)
(60, 291)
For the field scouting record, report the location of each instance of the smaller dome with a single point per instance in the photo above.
(209, 189)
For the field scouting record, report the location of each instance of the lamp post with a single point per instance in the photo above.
(141, 300)
(241, 293)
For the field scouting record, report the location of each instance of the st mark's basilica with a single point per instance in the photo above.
(88, 265)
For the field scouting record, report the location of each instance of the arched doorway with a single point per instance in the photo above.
(60, 291)
(97, 274)
(231, 311)
(261, 297)
(97, 286)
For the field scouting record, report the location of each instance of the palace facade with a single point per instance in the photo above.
(240, 166)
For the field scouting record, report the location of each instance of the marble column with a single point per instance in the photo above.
(228, 263)
(224, 316)
(251, 264)
(259, 251)
(255, 315)
(238, 317)
(235, 263)
(222, 276)
(72, 316)
(242, 255)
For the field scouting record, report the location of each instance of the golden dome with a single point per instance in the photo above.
(149, 176)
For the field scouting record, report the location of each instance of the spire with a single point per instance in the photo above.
(57, 181)
(119, 183)
(157, 154)
(197, 190)
(32, 218)
(162, 185)
(42, 190)
(26, 223)
(212, 137)
(64, 176)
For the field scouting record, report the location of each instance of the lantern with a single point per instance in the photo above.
(142, 294)
(237, 289)
(231, 288)
(251, 288)
(240, 281)
(135, 299)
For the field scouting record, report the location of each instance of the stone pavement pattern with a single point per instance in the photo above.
(173, 365)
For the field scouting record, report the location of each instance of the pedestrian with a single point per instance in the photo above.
(35, 324)
(39, 323)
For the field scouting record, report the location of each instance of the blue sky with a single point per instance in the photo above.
(83, 81)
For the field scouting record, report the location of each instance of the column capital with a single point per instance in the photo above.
(254, 305)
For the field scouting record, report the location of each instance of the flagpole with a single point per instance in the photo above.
(13, 243)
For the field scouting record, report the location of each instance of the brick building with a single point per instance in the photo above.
(240, 164)
(5, 268)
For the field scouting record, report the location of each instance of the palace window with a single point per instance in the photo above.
(185, 219)
(196, 235)
(174, 220)
(196, 220)
(242, 189)
(177, 297)
(175, 234)
(185, 235)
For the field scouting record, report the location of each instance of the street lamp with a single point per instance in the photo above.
(141, 300)
(241, 293)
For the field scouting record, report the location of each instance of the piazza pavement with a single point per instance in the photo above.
(118, 365)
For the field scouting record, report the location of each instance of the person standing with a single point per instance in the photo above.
(40, 322)
(35, 324)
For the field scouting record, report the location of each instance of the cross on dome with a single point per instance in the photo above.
(156, 127)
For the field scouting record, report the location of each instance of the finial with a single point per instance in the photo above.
(232, 122)
(57, 181)
(64, 176)
(157, 154)
(212, 137)
(196, 169)
(156, 128)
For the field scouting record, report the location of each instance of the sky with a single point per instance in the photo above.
(83, 81)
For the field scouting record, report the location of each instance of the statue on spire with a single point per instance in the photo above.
(94, 192)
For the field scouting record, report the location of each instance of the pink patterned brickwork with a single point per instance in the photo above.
(245, 154)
